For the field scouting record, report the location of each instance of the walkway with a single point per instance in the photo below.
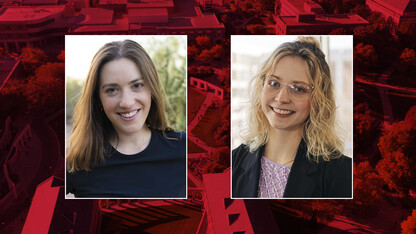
(204, 107)
(383, 87)
(201, 112)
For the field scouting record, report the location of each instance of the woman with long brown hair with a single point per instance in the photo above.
(121, 144)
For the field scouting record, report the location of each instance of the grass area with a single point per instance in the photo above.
(194, 148)
(195, 100)
(205, 129)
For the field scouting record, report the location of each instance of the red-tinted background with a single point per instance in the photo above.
(32, 117)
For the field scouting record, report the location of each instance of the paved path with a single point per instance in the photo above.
(198, 117)
(383, 87)
(204, 107)
(200, 143)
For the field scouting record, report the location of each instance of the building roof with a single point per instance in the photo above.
(39, 1)
(325, 19)
(151, 4)
(113, 2)
(300, 4)
(119, 26)
(95, 16)
(206, 21)
(153, 15)
(41, 211)
(11, 14)
(399, 6)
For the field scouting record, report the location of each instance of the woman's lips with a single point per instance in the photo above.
(130, 115)
(282, 112)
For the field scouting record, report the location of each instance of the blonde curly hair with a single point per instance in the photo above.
(320, 128)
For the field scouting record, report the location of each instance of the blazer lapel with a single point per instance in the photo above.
(303, 175)
(251, 175)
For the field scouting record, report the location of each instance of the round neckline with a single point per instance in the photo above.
(135, 155)
(275, 163)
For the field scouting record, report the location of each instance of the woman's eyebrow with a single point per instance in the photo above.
(115, 84)
(136, 80)
(295, 81)
(276, 77)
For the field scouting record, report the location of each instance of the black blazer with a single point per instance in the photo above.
(307, 179)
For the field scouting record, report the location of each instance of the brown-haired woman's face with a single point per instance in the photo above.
(124, 96)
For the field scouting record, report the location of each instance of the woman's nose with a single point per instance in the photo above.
(127, 100)
(283, 94)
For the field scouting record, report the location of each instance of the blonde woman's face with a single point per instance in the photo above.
(124, 96)
(285, 98)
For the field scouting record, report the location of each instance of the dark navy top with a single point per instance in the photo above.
(159, 171)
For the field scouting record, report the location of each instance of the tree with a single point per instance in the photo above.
(73, 91)
(407, 33)
(367, 123)
(203, 42)
(61, 56)
(410, 116)
(233, 7)
(32, 58)
(407, 63)
(224, 77)
(267, 5)
(205, 55)
(377, 20)
(409, 225)
(397, 147)
(367, 190)
(217, 51)
(192, 51)
(171, 68)
(200, 71)
(361, 10)
(365, 56)
(256, 29)
(408, 56)
(220, 160)
(338, 31)
(12, 99)
(364, 34)
(45, 89)
(222, 133)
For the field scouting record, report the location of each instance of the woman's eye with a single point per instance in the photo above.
(138, 85)
(110, 90)
(299, 89)
(274, 83)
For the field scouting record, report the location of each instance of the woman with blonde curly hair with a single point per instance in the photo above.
(290, 147)
(121, 145)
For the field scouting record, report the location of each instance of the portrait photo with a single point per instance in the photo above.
(125, 116)
(291, 116)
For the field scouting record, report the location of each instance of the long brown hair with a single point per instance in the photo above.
(92, 129)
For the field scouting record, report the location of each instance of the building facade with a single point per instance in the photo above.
(395, 12)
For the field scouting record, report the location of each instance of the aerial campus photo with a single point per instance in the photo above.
(36, 113)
